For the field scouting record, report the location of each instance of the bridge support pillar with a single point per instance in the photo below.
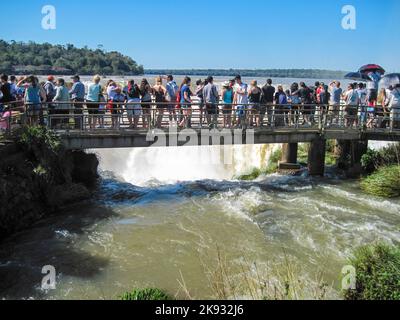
(289, 153)
(349, 154)
(316, 157)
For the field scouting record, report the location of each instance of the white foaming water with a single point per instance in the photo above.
(144, 166)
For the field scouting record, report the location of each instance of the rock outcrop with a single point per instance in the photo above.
(37, 179)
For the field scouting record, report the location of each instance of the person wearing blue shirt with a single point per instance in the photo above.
(78, 97)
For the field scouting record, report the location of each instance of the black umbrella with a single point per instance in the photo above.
(392, 79)
(357, 76)
(372, 68)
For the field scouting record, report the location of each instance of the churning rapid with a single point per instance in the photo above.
(162, 216)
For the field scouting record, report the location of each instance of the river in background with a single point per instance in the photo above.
(161, 216)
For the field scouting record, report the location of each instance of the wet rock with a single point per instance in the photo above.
(37, 182)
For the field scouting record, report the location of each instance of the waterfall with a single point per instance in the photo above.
(144, 166)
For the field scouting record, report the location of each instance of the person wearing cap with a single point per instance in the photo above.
(77, 93)
(50, 90)
(211, 99)
(227, 99)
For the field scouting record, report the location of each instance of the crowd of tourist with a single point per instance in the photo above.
(238, 103)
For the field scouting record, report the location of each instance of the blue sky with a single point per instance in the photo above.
(219, 33)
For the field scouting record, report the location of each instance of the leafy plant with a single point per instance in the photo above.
(383, 183)
(378, 273)
(37, 135)
(146, 294)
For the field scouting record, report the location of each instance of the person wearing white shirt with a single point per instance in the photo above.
(240, 100)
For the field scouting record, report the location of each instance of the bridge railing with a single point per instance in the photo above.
(95, 116)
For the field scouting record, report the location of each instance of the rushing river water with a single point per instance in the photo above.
(160, 218)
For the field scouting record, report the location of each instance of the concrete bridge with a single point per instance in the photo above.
(351, 143)
(288, 125)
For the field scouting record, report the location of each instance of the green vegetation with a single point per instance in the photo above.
(146, 294)
(372, 160)
(384, 169)
(378, 273)
(267, 73)
(26, 58)
(271, 168)
(37, 135)
(383, 183)
(302, 157)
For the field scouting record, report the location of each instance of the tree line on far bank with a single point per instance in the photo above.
(270, 73)
(34, 58)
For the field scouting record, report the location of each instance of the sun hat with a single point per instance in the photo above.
(226, 84)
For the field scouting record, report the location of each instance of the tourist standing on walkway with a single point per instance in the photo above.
(282, 111)
(267, 101)
(171, 96)
(134, 108)
(118, 101)
(211, 100)
(186, 102)
(200, 95)
(227, 99)
(13, 88)
(93, 98)
(295, 102)
(372, 87)
(33, 99)
(145, 94)
(362, 100)
(62, 97)
(50, 89)
(334, 102)
(394, 106)
(159, 92)
(383, 101)
(305, 94)
(240, 101)
(352, 102)
(77, 93)
(5, 89)
(254, 107)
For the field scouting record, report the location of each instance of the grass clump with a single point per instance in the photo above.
(377, 273)
(153, 294)
(242, 279)
(383, 183)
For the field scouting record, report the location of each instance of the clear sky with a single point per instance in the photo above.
(218, 33)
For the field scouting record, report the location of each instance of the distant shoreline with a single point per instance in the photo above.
(271, 73)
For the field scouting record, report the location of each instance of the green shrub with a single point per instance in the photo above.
(371, 160)
(383, 183)
(378, 273)
(37, 135)
(153, 294)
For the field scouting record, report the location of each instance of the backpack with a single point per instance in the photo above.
(172, 91)
(282, 99)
